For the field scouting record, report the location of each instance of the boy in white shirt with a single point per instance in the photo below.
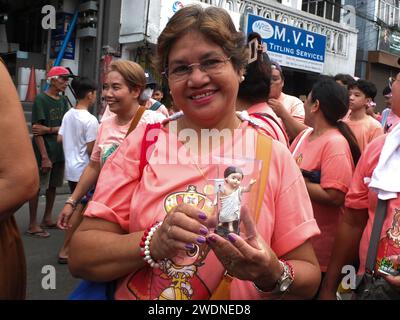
(78, 131)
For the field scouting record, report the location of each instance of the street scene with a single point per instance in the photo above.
(200, 150)
(42, 253)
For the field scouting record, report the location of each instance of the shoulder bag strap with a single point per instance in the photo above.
(155, 106)
(305, 134)
(380, 215)
(147, 144)
(264, 117)
(136, 119)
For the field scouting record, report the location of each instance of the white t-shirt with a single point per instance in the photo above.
(78, 128)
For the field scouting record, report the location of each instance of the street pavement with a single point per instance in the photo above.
(41, 255)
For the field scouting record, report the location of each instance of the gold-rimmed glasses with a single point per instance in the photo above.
(181, 72)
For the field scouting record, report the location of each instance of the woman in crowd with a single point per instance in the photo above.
(19, 182)
(149, 222)
(124, 84)
(318, 151)
(254, 91)
(376, 176)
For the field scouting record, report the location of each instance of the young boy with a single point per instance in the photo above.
(78, 131)
(78, 134)
(364, 127)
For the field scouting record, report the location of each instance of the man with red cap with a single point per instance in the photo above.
(47, 112)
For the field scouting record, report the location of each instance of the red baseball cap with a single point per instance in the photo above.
(59, 71)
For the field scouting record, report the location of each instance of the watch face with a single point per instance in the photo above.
(285, 284)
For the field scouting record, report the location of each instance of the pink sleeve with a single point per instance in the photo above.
(335, 152)
(116, 183)
(294, 218)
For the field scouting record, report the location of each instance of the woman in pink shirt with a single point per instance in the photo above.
(124, 83)
(318, 152)
(203, 58)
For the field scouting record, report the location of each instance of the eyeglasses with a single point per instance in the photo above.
(210, 66)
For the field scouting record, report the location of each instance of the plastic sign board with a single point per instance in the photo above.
(290, 46)
(169, 7)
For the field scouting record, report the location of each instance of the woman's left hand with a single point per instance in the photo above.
(251, 259)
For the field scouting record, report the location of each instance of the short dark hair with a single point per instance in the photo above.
(82, 86)
(366, 87)
(229, 170)
(344, 78)
(257, 82)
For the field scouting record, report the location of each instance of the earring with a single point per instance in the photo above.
(242, 78)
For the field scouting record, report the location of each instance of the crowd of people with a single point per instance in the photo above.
(150, 192)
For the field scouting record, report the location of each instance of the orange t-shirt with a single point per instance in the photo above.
(324, 154)
(286, 220)
(362, 197)
(365, 130)
(294, 105)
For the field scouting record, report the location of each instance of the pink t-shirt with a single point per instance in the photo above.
(324, 154)
(274, 130)
(111, 134)
(135, 204)
(365, 130)
(392, 121)
(294, 105)
(362, 197)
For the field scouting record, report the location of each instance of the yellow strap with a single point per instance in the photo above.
(263, 152)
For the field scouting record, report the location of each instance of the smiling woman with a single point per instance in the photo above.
(148, 225)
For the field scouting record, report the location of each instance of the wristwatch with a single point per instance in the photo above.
(72, 202)
(284, 282)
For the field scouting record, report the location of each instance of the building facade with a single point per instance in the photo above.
(331, 28)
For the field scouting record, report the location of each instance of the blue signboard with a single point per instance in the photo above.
(290, 46)
(63, 21)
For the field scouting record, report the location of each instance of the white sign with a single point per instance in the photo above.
(169, 7)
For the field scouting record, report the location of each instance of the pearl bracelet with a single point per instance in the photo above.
(145, 244)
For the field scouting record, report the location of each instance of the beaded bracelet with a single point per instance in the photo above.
(145, 244)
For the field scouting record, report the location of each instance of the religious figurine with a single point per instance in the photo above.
(229, 197)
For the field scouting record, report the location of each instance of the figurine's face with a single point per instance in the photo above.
(234, 179)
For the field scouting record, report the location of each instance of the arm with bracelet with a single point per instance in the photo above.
(87, 181)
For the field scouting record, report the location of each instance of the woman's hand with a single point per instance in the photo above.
(251, 259)
(65, 216)
(181, 229)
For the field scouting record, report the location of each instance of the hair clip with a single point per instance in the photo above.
(253, 46)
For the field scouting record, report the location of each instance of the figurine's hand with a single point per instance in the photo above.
(253, 181)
